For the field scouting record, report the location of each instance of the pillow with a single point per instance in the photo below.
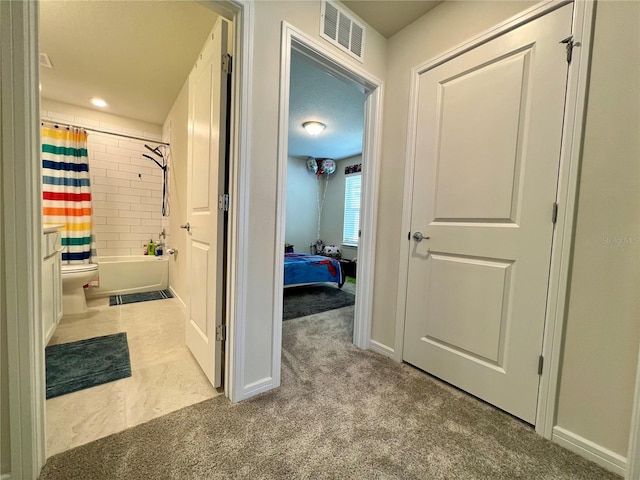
(331, 251)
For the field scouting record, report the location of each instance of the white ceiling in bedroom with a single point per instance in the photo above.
(316, 95)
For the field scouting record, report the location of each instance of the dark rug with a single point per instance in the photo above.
(311, 299)
(86, 363)
(139, 297)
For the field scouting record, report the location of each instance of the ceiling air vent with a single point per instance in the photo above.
(339, 28)
(45, 61)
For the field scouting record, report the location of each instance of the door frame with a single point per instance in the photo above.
(20, 221)
(295, 39)
(573, 130)
(241, 14)
(633, 455)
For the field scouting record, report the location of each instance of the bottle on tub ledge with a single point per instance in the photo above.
(151, 248)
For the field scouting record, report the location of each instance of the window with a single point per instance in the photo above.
(351, 209)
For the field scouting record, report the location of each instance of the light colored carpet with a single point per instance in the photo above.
(340, 413)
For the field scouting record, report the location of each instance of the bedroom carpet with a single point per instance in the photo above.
(341, 413)
(312, 299)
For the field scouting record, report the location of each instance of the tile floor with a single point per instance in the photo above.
(164, 375)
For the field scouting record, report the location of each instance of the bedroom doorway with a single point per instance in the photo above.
(323, 192)
(327, 175)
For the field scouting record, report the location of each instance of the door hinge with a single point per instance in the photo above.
(227, 66)
(359, 233)
(540, 364)
(554, 213)
(223, 202)
(570, 44)
(221, 333)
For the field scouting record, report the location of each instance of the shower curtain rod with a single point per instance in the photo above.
(89, 129)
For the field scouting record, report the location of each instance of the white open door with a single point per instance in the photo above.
(489, 129)
(206, 221)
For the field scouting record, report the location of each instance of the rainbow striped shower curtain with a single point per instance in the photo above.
(66, 191)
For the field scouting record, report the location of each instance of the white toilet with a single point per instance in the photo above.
(74, 278)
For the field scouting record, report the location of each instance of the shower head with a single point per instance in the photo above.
(154, 150)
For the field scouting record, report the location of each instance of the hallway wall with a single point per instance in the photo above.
(439, 30)
(602, 331)
(603, 312)
(268, 17)
(5, 431)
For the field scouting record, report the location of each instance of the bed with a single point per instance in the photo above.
(301, 268)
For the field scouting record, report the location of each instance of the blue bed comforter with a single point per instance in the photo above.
(303, 268)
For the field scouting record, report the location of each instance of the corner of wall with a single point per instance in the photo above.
(176, 125)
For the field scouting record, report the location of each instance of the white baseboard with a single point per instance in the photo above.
(181, 304)
(381, 349)
(257, 387)
(591, 451)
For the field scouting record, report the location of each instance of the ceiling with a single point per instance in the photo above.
(136, 55)
(388, 17)
(319, 96)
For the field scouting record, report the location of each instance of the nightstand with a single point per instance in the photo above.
(348, 268)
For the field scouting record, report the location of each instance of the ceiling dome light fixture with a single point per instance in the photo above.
(98, 102)
(314, 128)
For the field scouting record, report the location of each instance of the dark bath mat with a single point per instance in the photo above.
(86, 363)
(139, 297)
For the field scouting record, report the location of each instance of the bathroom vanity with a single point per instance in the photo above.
(51, 279)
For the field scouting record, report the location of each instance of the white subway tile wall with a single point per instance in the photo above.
(126, 187)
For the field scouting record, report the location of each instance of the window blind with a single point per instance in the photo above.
(352, 189)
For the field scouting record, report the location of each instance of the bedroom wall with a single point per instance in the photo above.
(302, 210)
(268, 16)
(333, 213)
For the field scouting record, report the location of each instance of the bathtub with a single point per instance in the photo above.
(135, 274)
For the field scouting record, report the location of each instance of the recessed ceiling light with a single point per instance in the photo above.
(314, 128)
(98, 102)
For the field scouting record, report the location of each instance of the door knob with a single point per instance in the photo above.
(418, 237)
(187, 227)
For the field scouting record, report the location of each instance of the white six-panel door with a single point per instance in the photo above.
(205, 182)
(488, 137)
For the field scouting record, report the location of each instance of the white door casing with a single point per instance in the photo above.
(205, 182)
(489, 131)
(294, 38)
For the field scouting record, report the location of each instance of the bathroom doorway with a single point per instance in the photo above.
(132, 206)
